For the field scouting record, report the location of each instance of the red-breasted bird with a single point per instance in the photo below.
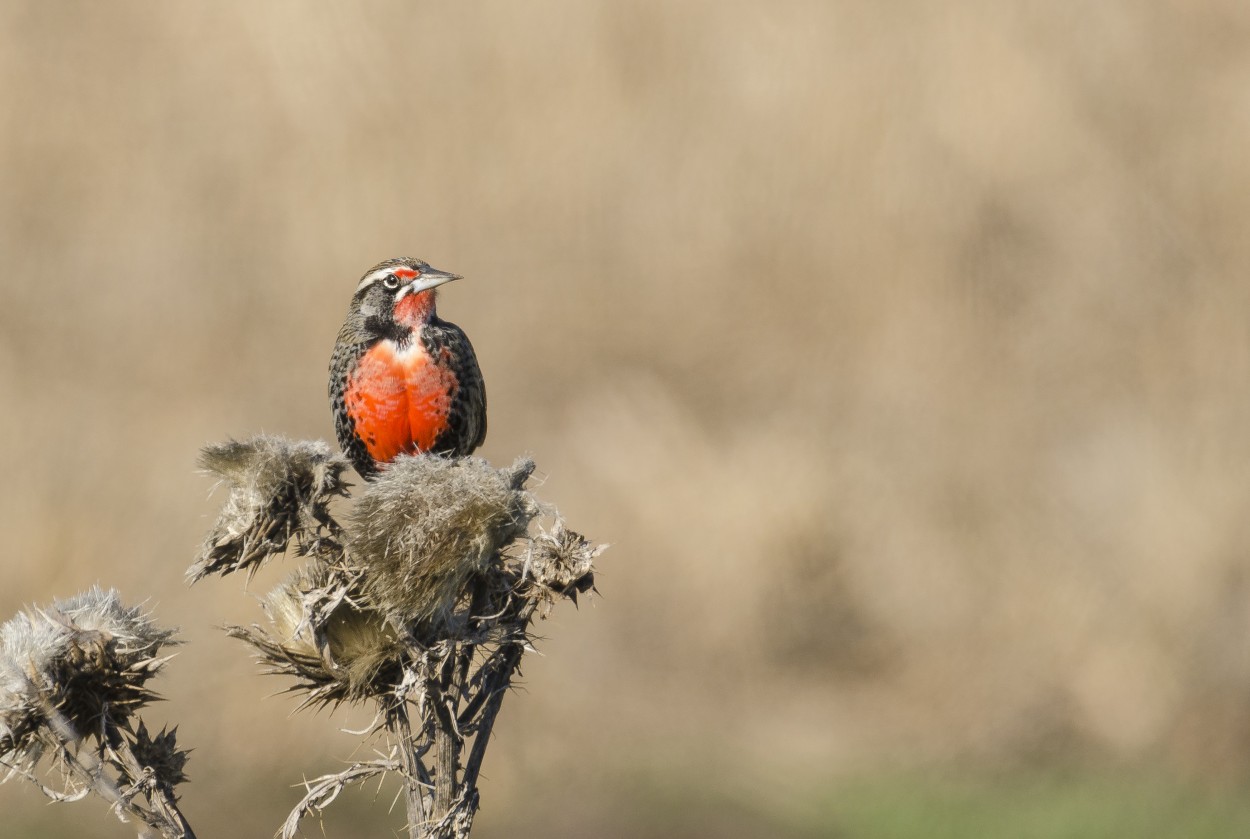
(402, 380)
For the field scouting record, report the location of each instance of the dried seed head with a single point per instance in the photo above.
(84, 658)
(562, 560)
(427, 524)
(279, 490)
(25, 651)
(161, 754)
(338, 651)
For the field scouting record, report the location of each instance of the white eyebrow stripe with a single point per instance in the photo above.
(374, 276)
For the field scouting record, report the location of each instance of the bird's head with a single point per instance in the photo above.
(398, 293)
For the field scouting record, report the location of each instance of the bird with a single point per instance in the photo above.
(403, 380)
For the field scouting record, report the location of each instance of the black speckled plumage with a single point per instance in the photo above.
(371, 319)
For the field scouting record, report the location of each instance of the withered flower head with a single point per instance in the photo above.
(80, 660)
(338, 651)
(161, 754)
(427, 525)
(279, 490)
(562, 560)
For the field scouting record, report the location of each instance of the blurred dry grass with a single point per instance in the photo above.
(901, 350)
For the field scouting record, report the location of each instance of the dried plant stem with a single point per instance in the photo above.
(455, 797)
(322, 791)
(400, 726)
(164, 819)
(123, 805)
(447, 756)
(447, 742)
(495, 683)
(172, 823)
(495, 688)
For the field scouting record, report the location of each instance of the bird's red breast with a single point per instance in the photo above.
(399, 399)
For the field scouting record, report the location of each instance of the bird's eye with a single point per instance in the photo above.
(391, 282)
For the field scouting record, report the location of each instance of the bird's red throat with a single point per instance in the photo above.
(413, 310)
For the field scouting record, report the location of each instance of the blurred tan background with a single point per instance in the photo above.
(900, 349)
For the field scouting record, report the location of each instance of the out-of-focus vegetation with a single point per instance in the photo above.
(1031, 805)
(900, 349)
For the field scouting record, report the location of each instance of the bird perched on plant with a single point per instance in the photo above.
(402, 380)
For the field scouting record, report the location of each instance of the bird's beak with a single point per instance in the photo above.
(431, 278)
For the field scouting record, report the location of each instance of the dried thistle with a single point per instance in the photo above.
(279, 490)
(562, 560)
(161, 754)
(72, 677)
(87, 658)
(422, 602)
(427, 524)
(28, 649)
(338, 651)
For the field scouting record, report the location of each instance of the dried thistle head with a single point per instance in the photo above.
(27, 650)
(161, 754)
(427, 524)
(562, 560)
(279, 490)
(339, 651)
(83, 660)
